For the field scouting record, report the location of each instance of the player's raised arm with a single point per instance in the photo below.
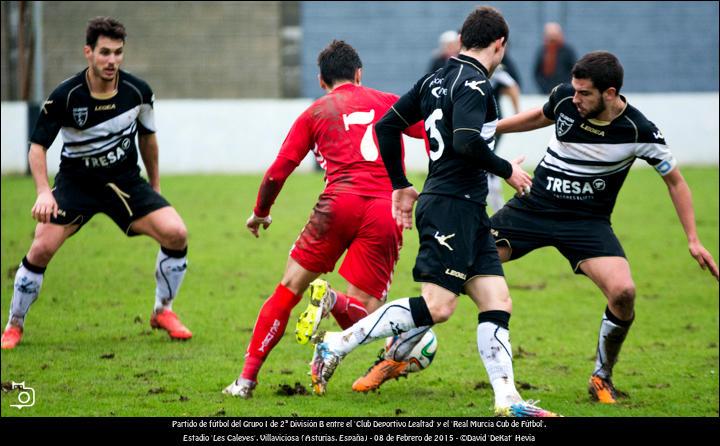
(45, 204)
(523, 121)
(682, 200)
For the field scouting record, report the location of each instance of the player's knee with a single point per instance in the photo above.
(175, 237)
(623, 296)
(441, 311)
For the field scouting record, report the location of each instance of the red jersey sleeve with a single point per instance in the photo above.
(297, 144)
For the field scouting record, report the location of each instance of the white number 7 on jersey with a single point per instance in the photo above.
(368, 149)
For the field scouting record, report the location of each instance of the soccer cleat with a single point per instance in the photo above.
(11, 337)
(527, 409)
(318, 308)
(602, 390)
(168, 321)
(381, 371)
(241, 387)
(322, 367)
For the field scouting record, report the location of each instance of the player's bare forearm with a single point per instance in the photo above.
(682, 200)
(149, 152)
(45, 204)
(37, 159)
(523, 122)
(681, 197)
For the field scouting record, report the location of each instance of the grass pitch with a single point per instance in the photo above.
(88, 349)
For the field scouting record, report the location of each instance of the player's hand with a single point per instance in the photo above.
(704, 258)
(403, 201)
(253, 223)
(519, 180)
(45, 207)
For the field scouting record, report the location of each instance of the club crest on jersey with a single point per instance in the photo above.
(80, 115)
(563, 124)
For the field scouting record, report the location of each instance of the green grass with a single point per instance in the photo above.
(98, 293)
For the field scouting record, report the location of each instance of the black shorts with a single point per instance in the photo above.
(123, 200)
(455, 242)
(577, 240)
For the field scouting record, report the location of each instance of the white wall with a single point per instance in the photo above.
(13, 139)
(204, 136)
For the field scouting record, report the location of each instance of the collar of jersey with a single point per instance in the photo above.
(600, 123)
(101, 96)
(344, 87)
(471, 61)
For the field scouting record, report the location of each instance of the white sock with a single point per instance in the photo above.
(26, 290)
(610, 341)
(496, 353)
(495, 193)
(169, 274)
(392, 318)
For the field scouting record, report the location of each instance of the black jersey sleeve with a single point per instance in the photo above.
(146, 98)
(49, 120)
(389, 134)
(558, 93)
(146, 118)
(470, 107)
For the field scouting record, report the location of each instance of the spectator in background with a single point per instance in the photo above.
(554, 60)
(448, 46)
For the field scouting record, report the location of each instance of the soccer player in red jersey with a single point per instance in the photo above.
(352, 214)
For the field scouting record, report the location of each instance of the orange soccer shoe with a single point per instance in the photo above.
(381, 371)
(11, 337)
(602, 390)
(168, 321)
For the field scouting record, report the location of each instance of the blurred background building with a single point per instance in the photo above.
(266, 51)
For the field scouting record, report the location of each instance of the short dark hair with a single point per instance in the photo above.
(104, 26)
(602, 68)
(338, 62)
(482, 27)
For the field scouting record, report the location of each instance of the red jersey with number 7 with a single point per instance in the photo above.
(338, 128)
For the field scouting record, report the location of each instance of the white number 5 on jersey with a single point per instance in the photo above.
(435, 116)
(368, 149)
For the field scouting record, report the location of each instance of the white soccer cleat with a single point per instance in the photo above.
(322, 367)
(524, 409)
(241, 387)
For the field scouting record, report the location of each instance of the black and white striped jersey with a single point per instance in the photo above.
(456, 103)
(98, 133)
(588, 160)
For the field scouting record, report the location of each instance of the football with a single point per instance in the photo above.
(420, 356)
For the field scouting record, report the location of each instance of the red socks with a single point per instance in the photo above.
(273, 319)
(269, 329)
(347, 310)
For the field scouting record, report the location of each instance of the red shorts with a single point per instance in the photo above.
(363, 226)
